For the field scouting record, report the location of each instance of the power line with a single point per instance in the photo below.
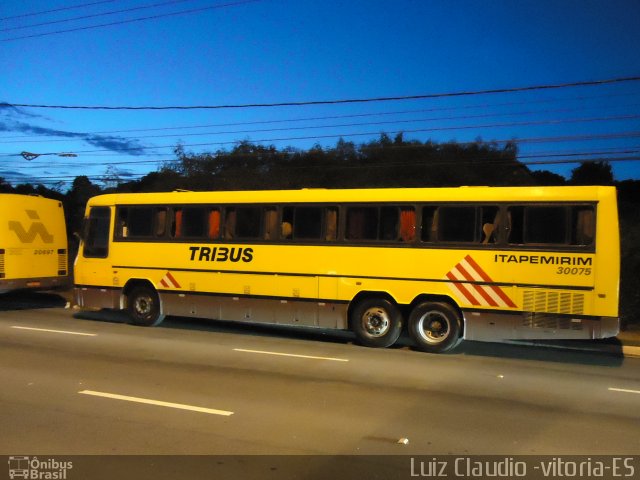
(72, 7)
(525, 140)
(104, 14)
(140, 19)
(340, 101)
(531, 157)
(475, 162)
(393, 122)
(80, 136)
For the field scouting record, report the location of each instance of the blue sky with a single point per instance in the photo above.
(270, 51)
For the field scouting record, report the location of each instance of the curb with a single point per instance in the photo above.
(626, 351)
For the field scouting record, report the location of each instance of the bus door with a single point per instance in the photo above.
(93, 267)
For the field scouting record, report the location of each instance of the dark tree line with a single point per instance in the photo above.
(385, 162)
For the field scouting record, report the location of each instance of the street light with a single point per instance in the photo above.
(30, 156)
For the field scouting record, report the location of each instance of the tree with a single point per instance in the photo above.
(592, 173)
(547, 178)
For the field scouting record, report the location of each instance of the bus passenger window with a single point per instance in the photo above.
(545, 225)
(214, 224)
(96, 233)
(194, 222)
(230, 223)
(176, 226)
(362, 223)
(248, 222)
(389, 223)
(331, 222)
(457, 224)
(270, 224)
(515, 225)
(583, 225)
(160, 221)
(429, 223)
(140, 222)
(122, 230)
(490, 224)
(407, 224)
(307, 223)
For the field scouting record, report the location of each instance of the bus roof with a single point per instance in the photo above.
(455, 194)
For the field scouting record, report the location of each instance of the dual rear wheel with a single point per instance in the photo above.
(433, 326)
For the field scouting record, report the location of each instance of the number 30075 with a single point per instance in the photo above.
(573, 271)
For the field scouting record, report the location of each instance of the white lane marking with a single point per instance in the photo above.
(149, 401)
(55, 331)
(624, 390)
(291, 355)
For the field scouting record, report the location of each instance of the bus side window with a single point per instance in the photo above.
(362, 223)
(331, 223)
(214, 224)
(96, 233)
(515, 225)
(545, 225)
(122, 229)
(490, 224)
(194, 222)
(229, 223)
(583, 226)
(307, 223)
(176, 227)
(429, 223)
(248, 222)
(407, 224)
(271, 224)
(160, 222)
(457, 224)
(389, 224)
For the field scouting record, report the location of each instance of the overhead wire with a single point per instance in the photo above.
(530, 158)
(133, 20)
(79, 136)
(465, 93)
(94, 15)
(70, 7)
(368, 114)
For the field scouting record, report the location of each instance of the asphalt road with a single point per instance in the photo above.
(88, 384)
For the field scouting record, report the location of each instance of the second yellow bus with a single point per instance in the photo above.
(479, 263)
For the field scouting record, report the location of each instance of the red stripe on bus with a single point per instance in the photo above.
(462, 289)
(478, 288)
(487, 278)
(173, 280)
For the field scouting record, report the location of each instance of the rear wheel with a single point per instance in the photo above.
(144, 306)
(376, 322)
(435, 327)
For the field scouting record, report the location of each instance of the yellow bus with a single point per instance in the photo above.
(33, 243)
(478, 263)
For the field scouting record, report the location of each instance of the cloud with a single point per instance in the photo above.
(8, 109)
(106, 142)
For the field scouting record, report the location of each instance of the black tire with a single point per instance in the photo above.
(376, 322)
(435, 327)
(144, 306)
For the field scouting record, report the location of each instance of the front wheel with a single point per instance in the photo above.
(376, 322)
(435, 327)
(144, 306)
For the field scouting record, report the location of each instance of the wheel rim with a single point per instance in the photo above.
(376, 322)
(434, 327)
(143, 306)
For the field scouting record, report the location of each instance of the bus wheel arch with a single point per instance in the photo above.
(143, 303)
(435, 324)
(375, 318)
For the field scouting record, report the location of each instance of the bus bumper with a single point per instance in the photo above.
(497, 326)
(45, 283)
